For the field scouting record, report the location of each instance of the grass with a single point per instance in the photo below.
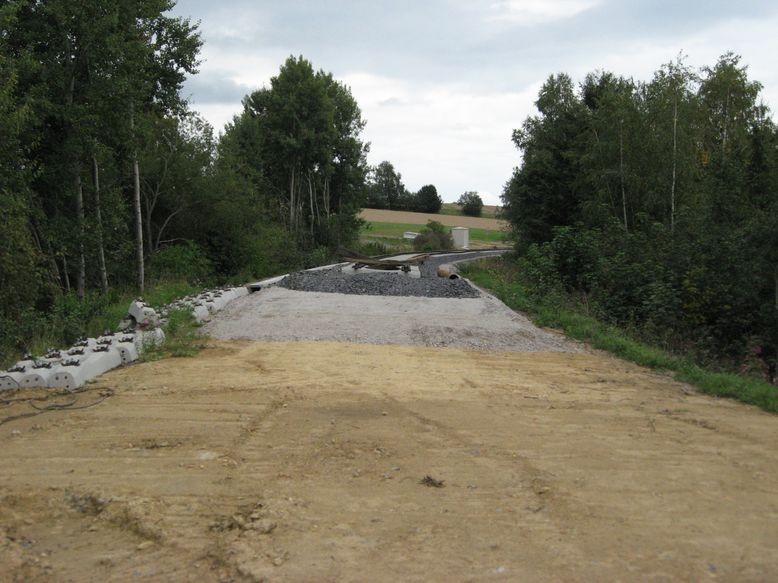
(453, 209)
(496, 276)
(396, 230)
(181, 337)
(90, 317)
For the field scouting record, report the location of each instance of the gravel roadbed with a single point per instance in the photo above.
(480, 323)
(378, 284)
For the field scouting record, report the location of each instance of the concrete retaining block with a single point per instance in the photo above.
(200, 313)
(148, 338)
(9, 381)
(95, 363)
(216, 304)
(38, 376)
(240, 291)
(143, 314)
(127, 348)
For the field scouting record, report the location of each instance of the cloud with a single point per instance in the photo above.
(450, 135)
(443, 83)
(532, 12)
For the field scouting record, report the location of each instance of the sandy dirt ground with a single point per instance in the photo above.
(386, 216)
(305, 461)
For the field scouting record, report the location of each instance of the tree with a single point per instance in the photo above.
(427, 200)
(547, 190)
(385, 188)
(298, 141)
(471, 204)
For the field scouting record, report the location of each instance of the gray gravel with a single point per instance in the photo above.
(482, 323)
(378, 284)
(430, 267)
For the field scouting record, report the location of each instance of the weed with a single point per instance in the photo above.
(500, 277)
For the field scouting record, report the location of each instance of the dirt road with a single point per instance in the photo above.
(299, 461)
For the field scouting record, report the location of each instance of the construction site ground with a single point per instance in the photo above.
(340, 459)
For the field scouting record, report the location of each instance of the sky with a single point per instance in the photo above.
(443, 83)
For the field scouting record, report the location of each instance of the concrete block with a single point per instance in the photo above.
(216, 304)
(240, 291)
(143, 314)
(200, 313)
(9, 381)
(127, 348)
(70, 376)
(147, 338)
(38, 374)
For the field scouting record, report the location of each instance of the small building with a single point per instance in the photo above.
(461, 236)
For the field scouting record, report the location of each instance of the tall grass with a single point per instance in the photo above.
(498, 276)
(70, 318)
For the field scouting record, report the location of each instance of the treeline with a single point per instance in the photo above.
(385, 190)
(656, 206)
(108, 179)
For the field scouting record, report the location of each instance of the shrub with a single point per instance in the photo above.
(433, 237)
(471, 204)
(184, 262)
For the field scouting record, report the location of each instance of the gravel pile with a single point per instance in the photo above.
(378, 284)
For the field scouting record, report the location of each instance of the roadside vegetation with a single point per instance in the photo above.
(112, 188)
(519, 290)
(655, 205)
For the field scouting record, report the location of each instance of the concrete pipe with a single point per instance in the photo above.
(448, 271)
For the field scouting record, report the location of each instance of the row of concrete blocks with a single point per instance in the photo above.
(207, 303)
(87, 359)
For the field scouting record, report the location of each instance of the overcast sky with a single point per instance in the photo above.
(442, 83)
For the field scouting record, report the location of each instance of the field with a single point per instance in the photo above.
(387, 227)
(385, 216)
(450, 208)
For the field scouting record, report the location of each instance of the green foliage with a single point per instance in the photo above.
(433, 237)
(471, 203)
(518, 291)
(655, 203)
(185, 262)
(297, 149)
(427, 200)
(181, 338)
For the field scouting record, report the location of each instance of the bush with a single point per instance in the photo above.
(427, 200)
(471, 204)
(433, 237)
(184, 262)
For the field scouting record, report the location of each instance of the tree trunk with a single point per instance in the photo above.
(149, 239)
(621, 174)
(775, 276)
(675, 162)
(65, 271)
(81, 282)
(99, 215)
(292, 207)
(138, 214)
